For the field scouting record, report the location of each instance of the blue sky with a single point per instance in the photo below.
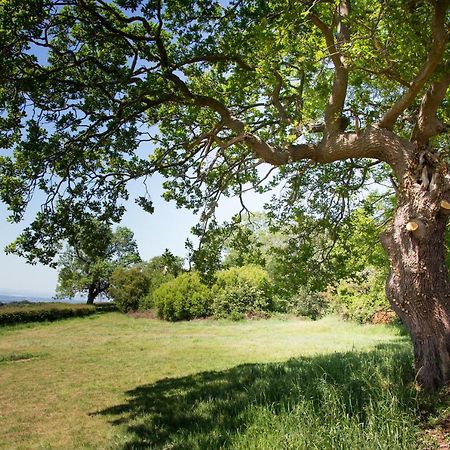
(168, 228)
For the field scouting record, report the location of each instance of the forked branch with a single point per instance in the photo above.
(439, 43)
(428, 123)
(333, 112)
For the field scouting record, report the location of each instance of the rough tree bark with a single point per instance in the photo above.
(418, 286)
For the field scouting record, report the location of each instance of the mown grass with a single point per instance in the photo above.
(111, 381)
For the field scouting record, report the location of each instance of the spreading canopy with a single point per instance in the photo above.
(227, 95)
(86, 266)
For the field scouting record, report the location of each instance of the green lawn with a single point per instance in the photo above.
(111, 381)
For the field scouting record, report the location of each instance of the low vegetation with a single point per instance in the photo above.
(22, 313)
(183, 298)
(114, 382)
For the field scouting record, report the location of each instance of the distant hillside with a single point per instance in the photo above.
(8, 299)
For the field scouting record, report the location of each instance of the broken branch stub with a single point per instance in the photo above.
(416, 227)
(445, 207)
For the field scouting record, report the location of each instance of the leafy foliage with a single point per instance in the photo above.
(128, 286)
(358, 299)
(308, 304)
(84, 83)
(315, 253)
(183, 298)
(159, 270)
(87, 265)
(241, 290)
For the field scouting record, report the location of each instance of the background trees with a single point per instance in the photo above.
(95, 252)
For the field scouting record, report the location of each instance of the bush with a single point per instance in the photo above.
(155, 281)
(43, 312)
(241, 290)
(359, 299)
(160, 270)
(128, 285)
(307, 303)
(183, 298)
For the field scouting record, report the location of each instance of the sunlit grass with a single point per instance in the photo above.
(111, 381)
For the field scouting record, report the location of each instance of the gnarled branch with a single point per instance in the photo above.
(428, 124)
(333, 112)
(435, 55)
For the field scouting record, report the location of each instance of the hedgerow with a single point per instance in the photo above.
(43, 312)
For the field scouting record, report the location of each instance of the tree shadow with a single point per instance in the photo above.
(211, 408)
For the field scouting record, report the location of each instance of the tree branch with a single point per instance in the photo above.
(428, 124)
(333, 111)
(434, 58)
(215, 58)
(276, 98)
(374, 143)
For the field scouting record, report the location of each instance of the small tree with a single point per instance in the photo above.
(128, 285)
(91, 257)
(159, 270)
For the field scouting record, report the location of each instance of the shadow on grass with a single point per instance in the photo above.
(209, 410)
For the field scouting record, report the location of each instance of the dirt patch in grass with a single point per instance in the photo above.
(143, 315)
(440, 434)
(17, 357)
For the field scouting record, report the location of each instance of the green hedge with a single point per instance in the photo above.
(43, 312)
(183, 298)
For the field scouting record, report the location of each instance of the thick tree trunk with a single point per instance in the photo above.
(92, 293)
(418, 287)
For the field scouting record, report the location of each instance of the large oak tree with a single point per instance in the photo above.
(330, 94)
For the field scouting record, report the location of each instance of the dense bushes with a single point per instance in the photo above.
(241, 290)
(183, 298)
(236, 292)
(43, 312)
(308, 303)
(361, 298)
(128, 285)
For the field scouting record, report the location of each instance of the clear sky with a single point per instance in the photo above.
(168, 228)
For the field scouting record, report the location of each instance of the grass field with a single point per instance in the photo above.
(112, 381)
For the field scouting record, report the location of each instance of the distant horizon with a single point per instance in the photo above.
(34, 295)
(11, 292)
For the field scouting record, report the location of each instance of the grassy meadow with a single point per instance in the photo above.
(115, 382)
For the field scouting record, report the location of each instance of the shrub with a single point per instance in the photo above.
(307, 303)
(359, 299)
(241, 290)
(128, 285)
(183, 298)
(155, 281)
(43, 312)
(160, 270)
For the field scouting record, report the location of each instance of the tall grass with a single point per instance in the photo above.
(347, 400)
